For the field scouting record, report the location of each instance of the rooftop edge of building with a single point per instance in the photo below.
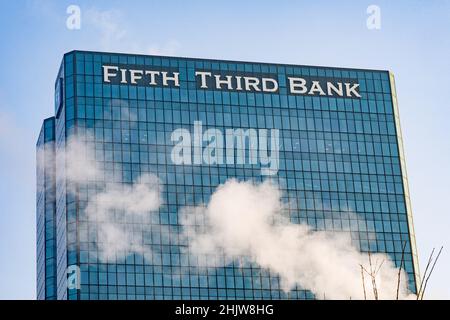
(224, 60)
(51, 118)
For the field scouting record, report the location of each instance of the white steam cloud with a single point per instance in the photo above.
(118, 211)
(244, 220)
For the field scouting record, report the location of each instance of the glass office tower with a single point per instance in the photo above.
(340, 151)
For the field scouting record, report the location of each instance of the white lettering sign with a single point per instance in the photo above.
(319, 86)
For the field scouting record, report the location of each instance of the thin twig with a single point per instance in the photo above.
(374, 283)
(400, 269)
(381, 264)
(363, 281)
(431, 271)
(430, 258)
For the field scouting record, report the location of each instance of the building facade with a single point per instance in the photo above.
(46, 212)
(340, 151)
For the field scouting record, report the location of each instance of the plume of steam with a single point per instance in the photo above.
(118, 211)
(243, 219)
(79, 158)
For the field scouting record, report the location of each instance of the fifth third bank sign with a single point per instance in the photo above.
(329, 137)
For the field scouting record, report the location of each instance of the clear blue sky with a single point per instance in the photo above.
(413, 42)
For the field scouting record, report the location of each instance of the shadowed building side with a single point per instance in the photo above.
(46, 212)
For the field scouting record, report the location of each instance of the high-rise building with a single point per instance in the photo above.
(339, 163)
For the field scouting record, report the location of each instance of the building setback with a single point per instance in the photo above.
(338, 150)
(46, 212)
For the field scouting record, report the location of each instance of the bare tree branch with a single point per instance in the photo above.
(400, 269)
(430, 258)
(381, 264)
(363, 281)
(431, 271)
(372, 275)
